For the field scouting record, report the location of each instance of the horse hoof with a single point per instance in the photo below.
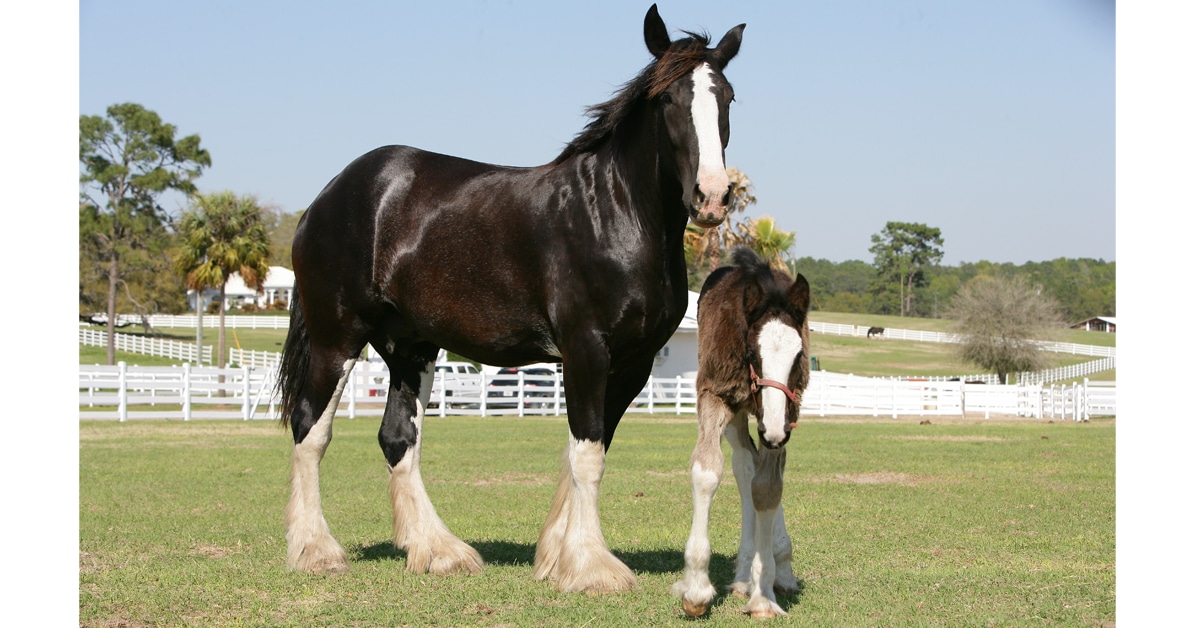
(694, 610)
(740, 590)
(762, 614)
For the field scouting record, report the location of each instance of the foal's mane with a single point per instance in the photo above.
(681, 58)
(755, 270)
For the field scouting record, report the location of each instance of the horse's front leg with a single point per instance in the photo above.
(571, 548)
(708, 462)
(766, 492)
(745, 459)
(430, 545)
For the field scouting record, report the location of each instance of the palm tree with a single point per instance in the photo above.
(220, 235)
(767, 239)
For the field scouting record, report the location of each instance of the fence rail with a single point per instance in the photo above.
(936, 336)
(209, 321)
(186, 392)
(146, 346)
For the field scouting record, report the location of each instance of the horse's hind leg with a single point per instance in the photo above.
(695, 588)
(311, 547)
(418, 530)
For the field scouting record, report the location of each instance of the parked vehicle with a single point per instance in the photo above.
(460, 384)
(504, 387)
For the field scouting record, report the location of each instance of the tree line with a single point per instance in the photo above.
(1082, 287)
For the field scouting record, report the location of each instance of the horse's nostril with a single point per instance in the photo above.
(699, 197)
(728, 196)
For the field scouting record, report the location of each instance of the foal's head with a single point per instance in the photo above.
(689, 87)
(776, 347)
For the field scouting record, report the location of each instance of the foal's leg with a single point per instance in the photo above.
(430, 545)
(745, 459)
(707, 464)
(311, 547)
(571, 548)
(766, 492)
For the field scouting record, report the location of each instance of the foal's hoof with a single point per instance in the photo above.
(694, 610)
(763, 608)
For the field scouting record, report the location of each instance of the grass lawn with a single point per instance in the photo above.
(962, 522)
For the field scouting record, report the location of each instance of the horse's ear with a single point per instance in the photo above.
(753, 299)
(729, 46)
(798, 296)
(655, 32)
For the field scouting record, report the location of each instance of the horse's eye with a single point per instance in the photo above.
(666, 99)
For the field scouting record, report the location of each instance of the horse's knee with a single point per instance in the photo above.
(396, 436)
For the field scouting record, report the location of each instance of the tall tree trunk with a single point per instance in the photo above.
(221, 333)
(113, 269)
(713, 250)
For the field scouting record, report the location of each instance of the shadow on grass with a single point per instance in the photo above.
(516, 554)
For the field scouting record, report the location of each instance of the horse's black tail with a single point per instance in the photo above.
(294, 364)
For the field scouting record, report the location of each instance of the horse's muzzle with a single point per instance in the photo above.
(710, 210)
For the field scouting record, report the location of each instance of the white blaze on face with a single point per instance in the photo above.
(712, 178)
(778, 344)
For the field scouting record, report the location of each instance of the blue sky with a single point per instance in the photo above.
(994, 121)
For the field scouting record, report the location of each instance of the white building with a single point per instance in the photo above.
(277, 286)
(679, 355)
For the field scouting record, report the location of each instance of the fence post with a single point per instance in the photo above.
(122, 393)
(678, 395)
(557, 392)
(245, 393)
(187, 391)
(439, 380)
(1086, 414)
(350, 388)
(520, 393)
(650, 394)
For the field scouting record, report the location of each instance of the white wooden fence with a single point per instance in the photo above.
(145, 346)
(185, 392)
(935, 336)
(209, 321)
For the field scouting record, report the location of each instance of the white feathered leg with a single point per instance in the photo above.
(695, 588)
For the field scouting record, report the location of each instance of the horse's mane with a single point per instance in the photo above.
(682, 57)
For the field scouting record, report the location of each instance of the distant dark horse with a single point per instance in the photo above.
(579, 261)
(875, 331)
(753, 334)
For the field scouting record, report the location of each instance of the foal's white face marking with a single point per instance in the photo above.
(778, 344)
(712, 178)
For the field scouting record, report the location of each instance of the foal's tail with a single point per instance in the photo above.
(294, 364)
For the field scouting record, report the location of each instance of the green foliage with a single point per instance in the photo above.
(904, 251)
(220, 235)
(281, 229)
(127, 160)
(963, 523)
(1000, 321)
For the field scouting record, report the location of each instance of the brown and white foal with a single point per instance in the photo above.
(753, 336)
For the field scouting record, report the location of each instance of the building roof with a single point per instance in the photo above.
(278, 278)
(1108, 319)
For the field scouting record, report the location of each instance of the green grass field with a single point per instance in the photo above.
(894, 524)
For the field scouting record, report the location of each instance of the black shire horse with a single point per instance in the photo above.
(579, 261)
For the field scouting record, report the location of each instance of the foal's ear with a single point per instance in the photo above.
(753, 299)
(655, 32)
(798, 295)
(729, 46)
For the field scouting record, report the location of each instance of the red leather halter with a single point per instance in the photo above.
(757, 382)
